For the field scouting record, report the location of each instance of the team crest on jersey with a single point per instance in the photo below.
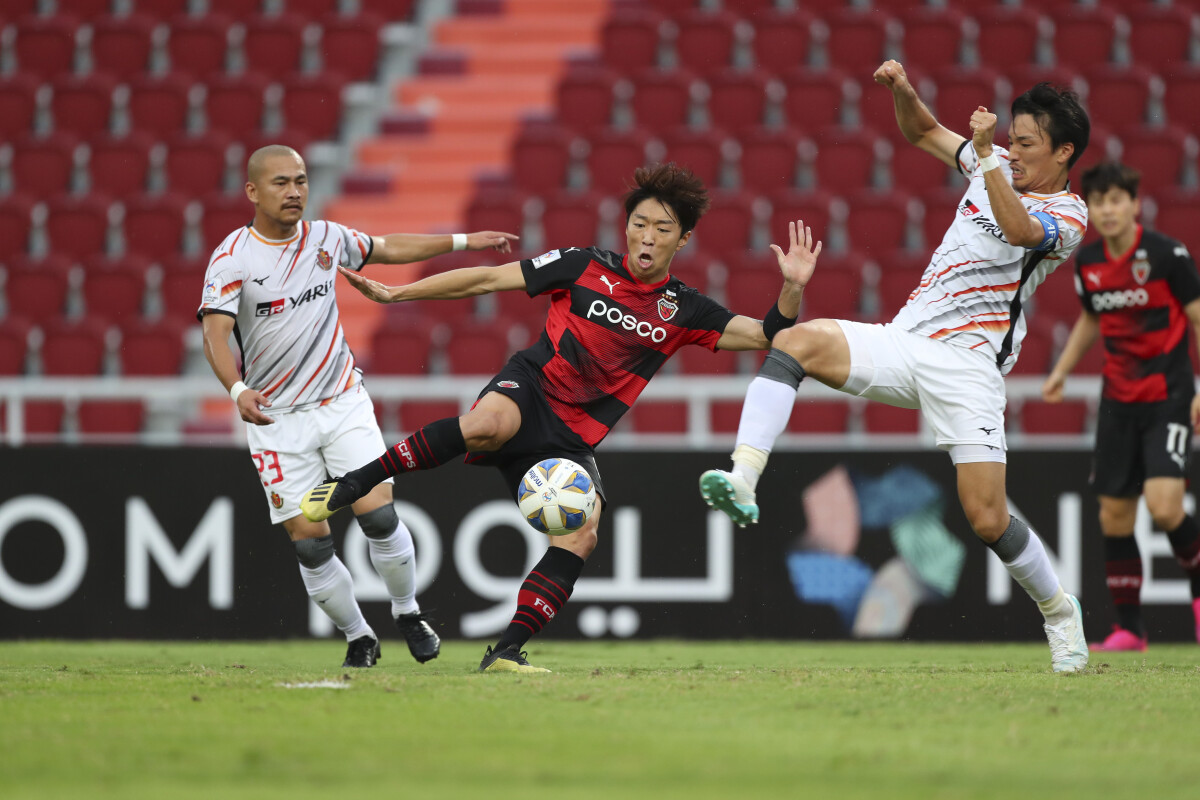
(668, 305)
(276, 500)
(1141, 268)
(508, 385)
(324, 261)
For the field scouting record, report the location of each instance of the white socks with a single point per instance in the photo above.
(393, 560)
(331, 588)
(1032, 570)
(765, 414)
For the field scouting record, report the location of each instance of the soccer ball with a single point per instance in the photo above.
(556, 496)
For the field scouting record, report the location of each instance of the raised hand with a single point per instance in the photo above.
(983, 129)
(370, 289)
(798, 263)
(497, 240)
(892, 75)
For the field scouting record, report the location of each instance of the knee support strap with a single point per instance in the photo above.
(1012, 542)
(781, 367)
(312, 553)
(380, 523)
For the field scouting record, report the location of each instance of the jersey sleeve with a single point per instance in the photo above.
(356, 246)
(710, 320)
(222, 286)
(557, 269)
(1182, 277)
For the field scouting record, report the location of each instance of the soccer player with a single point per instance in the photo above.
(297, 388)
(614, 320)
(946, 352)
(1139, 291)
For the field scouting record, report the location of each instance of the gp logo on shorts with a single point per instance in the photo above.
(270, 307)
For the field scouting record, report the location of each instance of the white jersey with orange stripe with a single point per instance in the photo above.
(976, 286)
(281, 294)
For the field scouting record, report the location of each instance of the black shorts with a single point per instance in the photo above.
(541, 435)
(1136, 441)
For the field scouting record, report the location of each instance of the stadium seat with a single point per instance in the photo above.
(570, 219)
(121, 45)
(750, 9)
(77, 225)
(541, 153)
(657, 416)
(497, 210)
(1163, 155)
(933, 37)
(738, 98)
(631, 45)
(18, 104)
(163, 9)
(701, 151)
(159, 104)
(702, 361)
(1121, 95)
(859, 38)
(16, 9)
(43, 418)
(479, 349)
(878, 221)
(819, 416)
(351, 44)
(847, 158)
(1067, 417)
(1008, 34)
(1085, 34)
(403, 348)
(414, 414)
(273, 44)
(152, 348)
(1161, 34)
(312, 104)
(82, 104)
(770, 159)
(940, 204)
(812, 207)
(15, 223)
(662, 99)
(36, 289)
(45, 45)
(705, 40)
(672, 8)
(692, 266)
(75, 347)
(120, 166)
(880, 418)
(584, 96)
(111, 417)
(14, 345)
(312, 9)
(223, 213)
(914, 170)
(1181, 95)
(815, 98)
(390, 10)
(1092, 362)
(782, 39)
(1178, 210)
(198, 46)
(727, 227)
(182, 286)
(530, 311)
(751, 291)
(83, 9)
(43, 166)
(234, 104)
(960, 91)
(196, 165)
(837, 292)
(613, 157)
(115, 288)
(1056, 299)
(1103, 144)
(899, 277)
(154, 224)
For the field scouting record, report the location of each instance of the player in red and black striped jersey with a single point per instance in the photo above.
(1140, 292)
(614, 320)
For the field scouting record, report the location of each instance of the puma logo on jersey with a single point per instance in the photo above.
(1093, 277)
(604, 279)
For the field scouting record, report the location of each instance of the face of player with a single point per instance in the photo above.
(279, 194)
(1113, 213)
(653, 236)
(1036, 165)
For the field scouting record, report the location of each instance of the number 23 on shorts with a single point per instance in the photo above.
(268, 462)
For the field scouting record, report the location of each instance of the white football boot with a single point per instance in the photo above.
(1068, 648)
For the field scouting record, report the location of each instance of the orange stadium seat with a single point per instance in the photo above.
(158, 104)
(584, 97)
(1161, 154)
(662, 99)
(83, 104)
(15, 223)
(1069, 416)
(812, 206)
(121, 45)
(312, 104)
(74, 347)
(846, 157)
(933, 37)
(36, 289)
(120, 166)
(111, 417)
(234, 104)
(570, 219)
(115, 288)
(45, 46)
(770, 159)
(154, 224)
(727, 226)
(1008, 34)
(878, 221)
(77, 225)
(541, 153)
(14, 344)
(351, 45)
(196, 165)
(274, 44)
(705, 41)
(1120, 95)
(18, 103)
(152, 348)
(614, 155)
(782, 39)
(198, 46)
(738, 99)
(858, 38)
(701, 151)
(632, 45)
(1084, 34)
(43, 166)
(880, 418)
(1160, 35)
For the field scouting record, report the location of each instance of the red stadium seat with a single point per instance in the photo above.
(120, 166)
(674, 8)
(1068, 417)
(36, 289)
(15, 223)
(163, 9)
(351, 45)
(403, 349)
(878, 221)
(657, 416)
(111, 417)
(847, 158)
(702, 361)
(770, 159)
(1103, 145)
(614, 155)
(196, 165)
(18, 103)
(1008, 34)
(1160, 35)
(819, 416)
(727, 227)
(223, 214)
(390, 10)
(899, 278)
(631, 45)
(701, 151)
(837, 293)
(45, 46)
(84, 9)
(121, 45)
(751, 291)
(880, 418)
(414, 414)
(1085, 34)
(15, 9)
(198, 45)
(1037, 348)
(858, 38)
(312, 104)
(960, 91)
(479, 349)
(1178, 210)
(705, 42)
(570, 219)
(14, 345)
(497, 210)
(77, 226)
(916, 171)
(234, 104)
(738, 98)
(750, 9)
(1056, 299)
(1181, 97)
(933, 37)
(310, 9)
(692, 266)
(810, 206)
(541, 153)
(158, 105)
(940, 204)
(152, 348)
(115, 288)
(1092, 362)
(1120, 95)
(42, 418)
(815, 98)
(75, 347)
(662, 99)
(782, 39)
(273, 45)
(82, 104)
(182, 286)
(585, 96)
(1162, 155)
(43, 166)
(154, 224)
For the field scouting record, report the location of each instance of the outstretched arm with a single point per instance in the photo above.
(405, 248)
(452, 285)
(916, 121)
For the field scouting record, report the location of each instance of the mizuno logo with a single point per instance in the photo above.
(604, 279)
(988, 431)
(259, 281)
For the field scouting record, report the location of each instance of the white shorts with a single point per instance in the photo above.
(959, 391)
(303, 447)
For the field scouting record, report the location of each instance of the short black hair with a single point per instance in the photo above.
(1110, 175)
(675, 187)
(1058, 112)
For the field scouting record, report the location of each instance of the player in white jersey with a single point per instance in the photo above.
(307, 413)
(947, 350)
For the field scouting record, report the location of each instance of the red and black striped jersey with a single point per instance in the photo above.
(607, 333)
(1139, 299)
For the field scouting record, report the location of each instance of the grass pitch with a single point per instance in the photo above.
(615, 720)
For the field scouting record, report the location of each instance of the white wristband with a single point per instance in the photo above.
(237, 389)
(989, 163)
(460, 241)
